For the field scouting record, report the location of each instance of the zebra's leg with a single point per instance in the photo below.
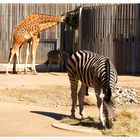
(81, 95)
(50, 62)
(74, 85)
(99, 96)
(62, 65)
(47, 62)
(59, 65)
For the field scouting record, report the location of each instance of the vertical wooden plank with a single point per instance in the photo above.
(126, 32)
(107, 32)
(136, 42)
(115, 39)
(95, 33)
(127, 50)
(113, 10)
(101, 30)
(109, 48)
(91, 22)
(106, 29)
(98, 35)
(113, 7)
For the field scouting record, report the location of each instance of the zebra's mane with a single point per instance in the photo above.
(108, 93)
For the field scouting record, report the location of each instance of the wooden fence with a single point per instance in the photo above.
(45, 45)
(111, 30)
(12, 14)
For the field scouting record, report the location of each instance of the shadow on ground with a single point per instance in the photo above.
(53, 115)
(44, 68)
(89, 122)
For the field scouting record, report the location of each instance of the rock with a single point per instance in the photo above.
(126, 96)
(90, 99)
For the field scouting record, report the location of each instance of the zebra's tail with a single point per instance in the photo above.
(108, 92)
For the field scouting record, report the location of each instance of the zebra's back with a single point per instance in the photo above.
(90, 68)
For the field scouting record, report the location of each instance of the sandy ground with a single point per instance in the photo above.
(22, 117)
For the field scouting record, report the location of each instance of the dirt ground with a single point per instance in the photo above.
(29, 104)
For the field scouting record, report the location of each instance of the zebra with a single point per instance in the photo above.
(57, 57)
(97, 71)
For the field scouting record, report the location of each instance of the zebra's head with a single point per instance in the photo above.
(109, 112)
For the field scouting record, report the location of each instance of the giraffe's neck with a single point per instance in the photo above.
(34, 24)
(47, 25)
(44, 18)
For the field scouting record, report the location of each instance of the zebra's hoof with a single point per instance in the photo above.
(84, 117)
(109, 125)
(101, 126)
(72, 117)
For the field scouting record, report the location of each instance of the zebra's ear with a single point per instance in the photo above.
(113, 99)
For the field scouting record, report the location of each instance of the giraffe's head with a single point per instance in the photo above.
(72, 18)
(63, 18)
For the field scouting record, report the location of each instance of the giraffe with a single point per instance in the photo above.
(16, 56)
(27, 31)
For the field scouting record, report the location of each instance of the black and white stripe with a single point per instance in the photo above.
(96, 71)
(57, 57)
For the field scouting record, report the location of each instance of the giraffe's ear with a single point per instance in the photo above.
(77, 8)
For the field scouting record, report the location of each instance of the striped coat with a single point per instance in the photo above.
(96, 71)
